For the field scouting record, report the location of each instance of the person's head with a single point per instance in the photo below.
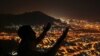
(25, 32)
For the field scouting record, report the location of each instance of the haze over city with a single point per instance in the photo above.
(78, 9)
(81, 16)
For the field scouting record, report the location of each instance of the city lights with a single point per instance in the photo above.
(78, 41)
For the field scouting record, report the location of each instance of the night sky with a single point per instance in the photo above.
(86, 9)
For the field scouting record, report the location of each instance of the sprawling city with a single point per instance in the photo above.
(83, 38)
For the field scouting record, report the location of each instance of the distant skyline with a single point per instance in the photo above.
(84, 9)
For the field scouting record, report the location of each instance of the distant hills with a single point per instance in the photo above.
(32, 18)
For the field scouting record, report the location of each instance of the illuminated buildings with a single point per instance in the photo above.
(83, 38)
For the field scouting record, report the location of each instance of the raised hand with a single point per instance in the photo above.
(47, 27)
(54, 49)
(43, 34)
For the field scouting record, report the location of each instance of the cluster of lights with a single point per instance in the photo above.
(80, 39)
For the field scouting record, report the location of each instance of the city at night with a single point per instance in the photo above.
(49, 28)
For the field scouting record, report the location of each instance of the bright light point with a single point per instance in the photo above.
(14, 53)
(68, 21)
(62, 19)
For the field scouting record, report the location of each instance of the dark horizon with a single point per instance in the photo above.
(58, 27)
(80, 9)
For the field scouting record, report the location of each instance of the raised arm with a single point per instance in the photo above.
(54, 49)
(42, 35)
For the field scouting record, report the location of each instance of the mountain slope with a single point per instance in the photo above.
(32, 18)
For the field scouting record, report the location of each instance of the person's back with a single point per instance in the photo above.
(29, 40)
(27, 36)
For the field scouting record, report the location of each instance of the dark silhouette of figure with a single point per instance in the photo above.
(28, 36)
(29, 41)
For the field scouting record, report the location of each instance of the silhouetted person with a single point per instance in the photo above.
(27, 36)
(29, 40)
